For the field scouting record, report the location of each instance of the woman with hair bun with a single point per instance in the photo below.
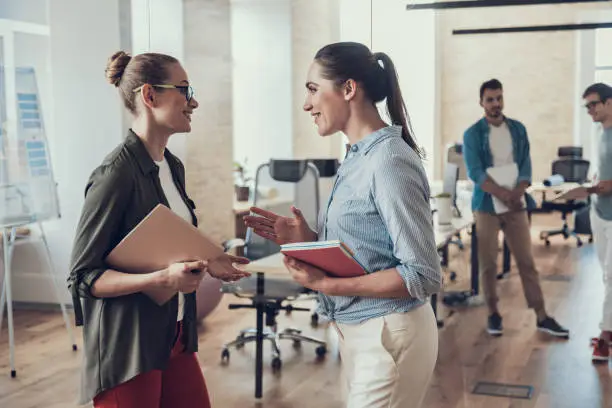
(138, 353)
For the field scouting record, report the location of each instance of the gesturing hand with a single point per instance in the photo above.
(223, 268)
(280, 229)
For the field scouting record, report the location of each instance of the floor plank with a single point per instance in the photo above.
(560, 371)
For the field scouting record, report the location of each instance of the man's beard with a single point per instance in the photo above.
(494, 113)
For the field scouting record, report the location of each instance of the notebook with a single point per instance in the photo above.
(505, 176)
(159, 240)
(333, 257)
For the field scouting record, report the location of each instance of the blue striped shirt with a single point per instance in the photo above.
(379, 207)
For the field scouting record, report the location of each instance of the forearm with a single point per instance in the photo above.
(114, 283)
(384, 284)
(603, 188)
(491, 187)
(522, 187)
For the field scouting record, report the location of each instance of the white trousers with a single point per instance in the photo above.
(602, 234)
(388, 361)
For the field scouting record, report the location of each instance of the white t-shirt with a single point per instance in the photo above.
(178, 206)
(500, 142)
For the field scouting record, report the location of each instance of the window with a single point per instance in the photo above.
(603, 55)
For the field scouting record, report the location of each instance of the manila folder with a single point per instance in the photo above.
(159, 240)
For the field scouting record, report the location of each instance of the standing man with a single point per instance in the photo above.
(598, 102)
(496, 141)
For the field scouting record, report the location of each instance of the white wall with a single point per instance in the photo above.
(262, 78)
(409, 38)
(157, 26)
(87, 125)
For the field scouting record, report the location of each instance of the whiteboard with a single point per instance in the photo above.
(28, 192)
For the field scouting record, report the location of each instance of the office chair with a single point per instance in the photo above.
(298, 181)
(451, 176)
(454, 155)
(572, 170)
(574, 152)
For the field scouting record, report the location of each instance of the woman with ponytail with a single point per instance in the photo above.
(379, 207)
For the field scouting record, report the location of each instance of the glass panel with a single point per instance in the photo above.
(603, 47)
(28, 190)
(3, 123)
(30, 11)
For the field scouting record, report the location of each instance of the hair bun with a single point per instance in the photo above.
(116, 67)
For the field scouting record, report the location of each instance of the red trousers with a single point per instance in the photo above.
(180, 385)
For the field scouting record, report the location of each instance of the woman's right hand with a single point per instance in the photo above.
(185, 277)
(279, 229)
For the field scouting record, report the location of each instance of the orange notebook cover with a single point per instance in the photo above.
(334, 257)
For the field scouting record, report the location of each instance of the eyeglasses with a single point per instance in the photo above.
(591, 104)
(186, 90)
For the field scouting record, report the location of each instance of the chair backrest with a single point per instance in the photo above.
(451, 175)
(570, 151)
(572, 170)
(454, 154)
(297, 183)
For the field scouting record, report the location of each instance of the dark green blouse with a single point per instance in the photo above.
(126, 335)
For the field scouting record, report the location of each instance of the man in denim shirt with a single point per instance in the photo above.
(495, 141)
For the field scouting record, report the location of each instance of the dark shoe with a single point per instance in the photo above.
(601, 351)
(550, 326)
(494, 328)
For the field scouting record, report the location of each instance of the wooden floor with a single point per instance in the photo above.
(560, 371)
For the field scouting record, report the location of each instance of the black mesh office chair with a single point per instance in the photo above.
(574, 152)
(573, 170)
(451, 175)
(297, 182)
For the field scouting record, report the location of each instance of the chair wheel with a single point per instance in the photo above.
(297, 344)
(321, 351)
(579, 244)
(453, 276)
(276, 363)
(590, 240)
(225, 355)
(314, 320)
(547, 243)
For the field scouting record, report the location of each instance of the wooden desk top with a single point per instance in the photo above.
(541, 188)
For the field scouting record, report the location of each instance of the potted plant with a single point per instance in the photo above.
(241, 183)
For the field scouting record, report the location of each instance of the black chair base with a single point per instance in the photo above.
(566, 232)
(271, 333)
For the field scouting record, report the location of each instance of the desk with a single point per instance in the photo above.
(541, 188)
(443, 235)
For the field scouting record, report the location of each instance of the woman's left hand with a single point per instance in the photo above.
(306, 275)
(223, 268)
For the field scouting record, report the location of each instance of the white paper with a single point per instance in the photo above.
(504, 176)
